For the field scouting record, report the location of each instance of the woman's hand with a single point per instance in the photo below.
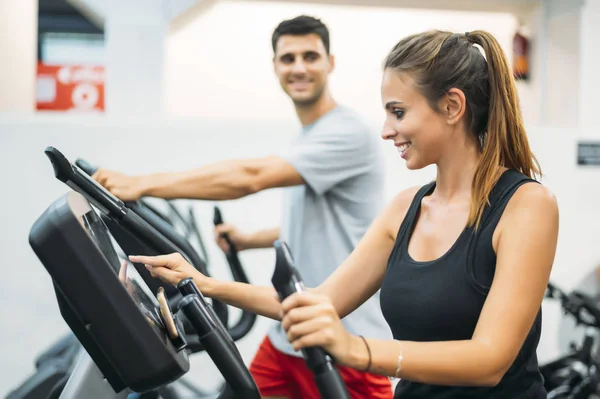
(171, 268)
(310, 319)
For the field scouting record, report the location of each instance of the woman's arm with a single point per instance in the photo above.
(173, 268)
(263, 301)
(349, 286)
(525, 253)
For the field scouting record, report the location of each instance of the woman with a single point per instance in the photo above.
(462, 262)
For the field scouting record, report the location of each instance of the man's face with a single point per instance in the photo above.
(302, 65)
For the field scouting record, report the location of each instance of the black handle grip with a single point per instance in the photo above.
(217, 220)
(84, 184)
(86, 166)
(217, 216)
(218, 346)
(90, 169)
(188, 287)
(247, 320)
(233, 259)
(287, 280)
(198, 316)
(330, 384)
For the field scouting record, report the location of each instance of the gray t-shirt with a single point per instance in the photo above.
(339, 158)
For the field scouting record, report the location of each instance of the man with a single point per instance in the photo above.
(333, 172)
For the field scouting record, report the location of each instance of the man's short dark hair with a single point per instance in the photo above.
(301, 25)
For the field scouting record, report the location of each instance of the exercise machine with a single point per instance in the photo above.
(139, 230)
(186, 300)
(133, 339)
(134, 237)
(575, 375)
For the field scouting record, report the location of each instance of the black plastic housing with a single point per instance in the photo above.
(95, 303)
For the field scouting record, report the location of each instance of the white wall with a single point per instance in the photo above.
(18, 55)
(240, 60)
(557, 50)
(563, 53)
(220, 65)
(590, 65)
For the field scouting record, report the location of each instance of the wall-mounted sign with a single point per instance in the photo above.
(76, 88)
(588, 153)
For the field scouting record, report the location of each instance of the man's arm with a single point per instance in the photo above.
(265, 238)
(223, 180)
(243, 241)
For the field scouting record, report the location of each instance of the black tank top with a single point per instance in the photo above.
(441, 300)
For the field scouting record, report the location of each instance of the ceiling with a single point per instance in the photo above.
(61, 16)
(62, 7)
(509, 6)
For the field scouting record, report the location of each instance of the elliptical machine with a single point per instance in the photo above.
(54, 366)
(133, 341)
(89, 306)
(577, 374)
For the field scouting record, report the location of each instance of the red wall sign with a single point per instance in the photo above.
(70, 88)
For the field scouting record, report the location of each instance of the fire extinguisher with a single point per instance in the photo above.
(520, 57)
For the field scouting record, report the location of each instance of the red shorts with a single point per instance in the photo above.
(279, 374)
